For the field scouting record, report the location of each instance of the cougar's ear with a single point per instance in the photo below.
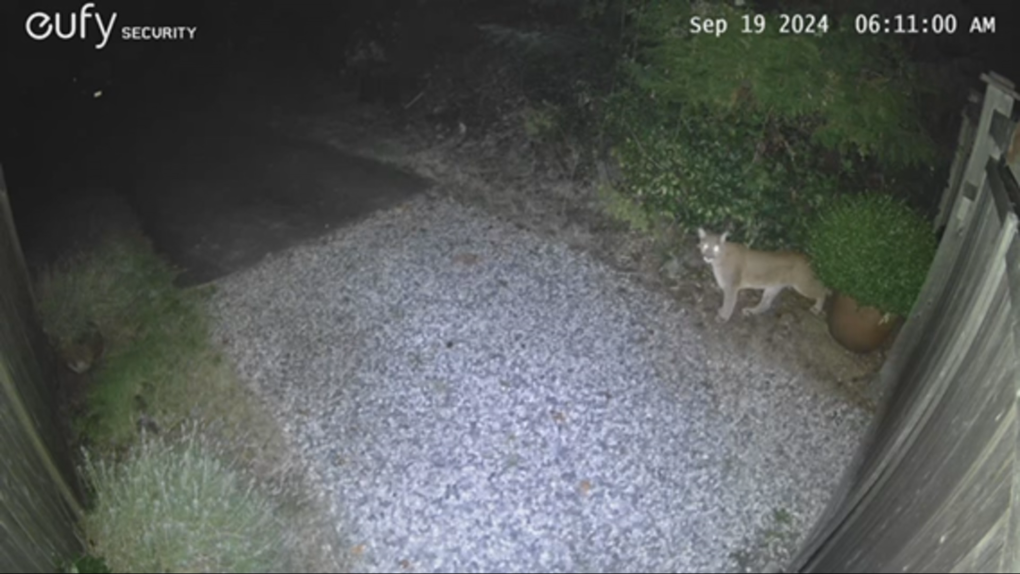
(722, 238)
(701, 233)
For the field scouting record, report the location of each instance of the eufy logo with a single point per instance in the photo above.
(41, 25)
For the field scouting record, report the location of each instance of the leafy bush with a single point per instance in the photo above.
(753, 132)
(623, 209)
(873, 248)
(710, 174)
(85, 564)
(848, 92)
(177, 508)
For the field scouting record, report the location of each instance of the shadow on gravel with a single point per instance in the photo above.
(217, 196)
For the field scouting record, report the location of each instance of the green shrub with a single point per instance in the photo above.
(848, 92)
(873, 248)
(85, 564)
(110, 286)
(706, 173)
(157, 359)
(178, 508)
(623, 209)
(754, 132)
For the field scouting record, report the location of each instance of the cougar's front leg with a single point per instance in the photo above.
(729, 302)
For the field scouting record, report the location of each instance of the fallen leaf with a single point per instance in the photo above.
(467, 258)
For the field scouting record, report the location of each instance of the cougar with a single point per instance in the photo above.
(738, 267)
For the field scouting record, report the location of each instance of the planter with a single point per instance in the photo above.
(859, 329)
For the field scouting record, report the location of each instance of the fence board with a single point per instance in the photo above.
(936, 486)
(38, 504)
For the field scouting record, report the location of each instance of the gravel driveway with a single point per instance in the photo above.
(475, 398)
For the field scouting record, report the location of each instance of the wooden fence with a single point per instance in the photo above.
(936, 487)
(38, 497)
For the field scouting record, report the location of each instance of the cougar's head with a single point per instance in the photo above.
(711, 244)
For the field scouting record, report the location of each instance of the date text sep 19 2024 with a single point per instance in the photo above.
(864, 24)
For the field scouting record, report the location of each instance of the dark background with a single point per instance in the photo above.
(56, 140)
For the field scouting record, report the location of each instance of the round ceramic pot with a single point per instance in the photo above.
(859, 329)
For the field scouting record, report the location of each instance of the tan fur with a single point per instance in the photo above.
(737, 267)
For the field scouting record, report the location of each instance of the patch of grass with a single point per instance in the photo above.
(158, 361)
(540, 122)
(174, 507)
(624, 209)
(86, 564)
(772, 544)
(127, 292)
(161, 367)
(111, 286)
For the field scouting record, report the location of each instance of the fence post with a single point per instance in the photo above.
(38, 505)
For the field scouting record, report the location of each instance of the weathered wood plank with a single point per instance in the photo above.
(38, 507)
(936, 487)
